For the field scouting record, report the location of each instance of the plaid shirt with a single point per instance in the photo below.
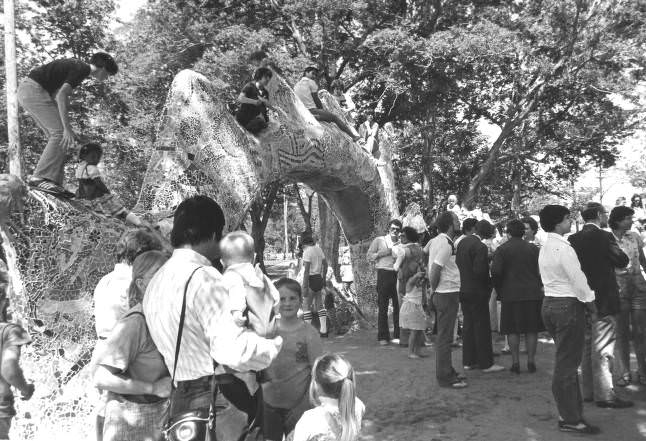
(210, 332)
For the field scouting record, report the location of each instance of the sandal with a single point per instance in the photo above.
(624, 380)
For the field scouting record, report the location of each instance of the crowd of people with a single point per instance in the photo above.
(585, 288)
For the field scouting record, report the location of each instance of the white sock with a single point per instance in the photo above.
(323, 320)
(307, 317)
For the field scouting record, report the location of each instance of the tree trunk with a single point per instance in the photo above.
(13, 130)
(385, 169)
(259, 212)
(330, 236)
(307, 216)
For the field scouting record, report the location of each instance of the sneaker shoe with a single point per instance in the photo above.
(383, 342)
(617, 403)
(506, 350)
(395, 341)
(493, 368)
(458, 384)
(581, 427)
(414, 356)
(470, 368)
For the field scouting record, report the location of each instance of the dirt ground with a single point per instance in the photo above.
(403, 400)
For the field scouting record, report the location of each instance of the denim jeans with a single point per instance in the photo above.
(477, 349)
(598, 358)
(564, 319)
(386, 292)
(43, 109)
(631, 316)
(446, 305)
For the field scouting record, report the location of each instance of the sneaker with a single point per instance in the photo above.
(470, 368)
(383, 342)
(414, 356)
(506, 350)
(581, 427)
(493, 368)
(50, 187)
(458, 384)
(617, 403)
(395, 341)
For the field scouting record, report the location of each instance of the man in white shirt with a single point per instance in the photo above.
(210, 333)
(381, 254)
(444, 278)
(567, 295)
(307, 91)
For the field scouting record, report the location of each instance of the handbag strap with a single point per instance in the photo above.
(182, 315)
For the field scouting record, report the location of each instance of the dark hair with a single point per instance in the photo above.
(444, 221)
(395, 222)
(262, 72)
(290, 284)
(591, 211)
(632, 201)
(533, 225)
(197, 219)
(307, 238)
(618, 214)
(257, 56)
(101, 59)
(484, 229)
(516, 228)
(309, 69)
(469, 224)
(88, 149)
(135, 242)
(411, 234)
(551, 215)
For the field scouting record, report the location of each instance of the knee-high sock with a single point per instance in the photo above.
(323, 320)
(307, 317)
(331, 315)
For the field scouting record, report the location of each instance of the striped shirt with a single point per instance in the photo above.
(210, 332)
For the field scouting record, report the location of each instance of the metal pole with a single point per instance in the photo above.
(286, 246)
(13, 129)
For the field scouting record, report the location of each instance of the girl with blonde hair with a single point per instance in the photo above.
(338, 411)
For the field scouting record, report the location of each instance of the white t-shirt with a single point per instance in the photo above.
(304, 90)
(111, 298)
(314, 255)
(441, 251)
(323, 423)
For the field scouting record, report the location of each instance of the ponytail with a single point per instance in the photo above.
(349, 423)
(333, 376)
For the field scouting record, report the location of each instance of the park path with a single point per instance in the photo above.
(404, 403)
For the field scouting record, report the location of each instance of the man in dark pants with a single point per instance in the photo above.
(381, 253)
(444, 279)
(475, 288)
(567, 296)
(599, 255)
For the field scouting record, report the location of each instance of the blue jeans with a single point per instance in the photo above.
(446, 305)
(564, 319)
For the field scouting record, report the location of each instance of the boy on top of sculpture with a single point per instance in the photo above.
(306, 90)
(253, 99)
(44, 94)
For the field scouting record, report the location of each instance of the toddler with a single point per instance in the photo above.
(412, 315)
(338, 412)
(252, 299)
(285, 394)
(92, 188)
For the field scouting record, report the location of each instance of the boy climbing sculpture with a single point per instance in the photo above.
(306, 90)
(44, 94)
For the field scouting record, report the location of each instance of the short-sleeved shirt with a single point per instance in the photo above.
(53, 75)
(323, 423)
(314, 255)
(441, 251)
(304, 90)
(111, 298)
(131, 350)
(290, 372)
(247, 112)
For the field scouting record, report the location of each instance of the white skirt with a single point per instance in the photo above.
(412, 316)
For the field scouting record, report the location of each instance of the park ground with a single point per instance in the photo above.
(404, 402)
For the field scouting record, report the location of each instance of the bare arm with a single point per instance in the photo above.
(11, 370)
(108, 378)
(306, 276)
(63, 103)
(434, 275)
(324, 268)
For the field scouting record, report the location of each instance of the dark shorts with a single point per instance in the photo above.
(316, 282)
